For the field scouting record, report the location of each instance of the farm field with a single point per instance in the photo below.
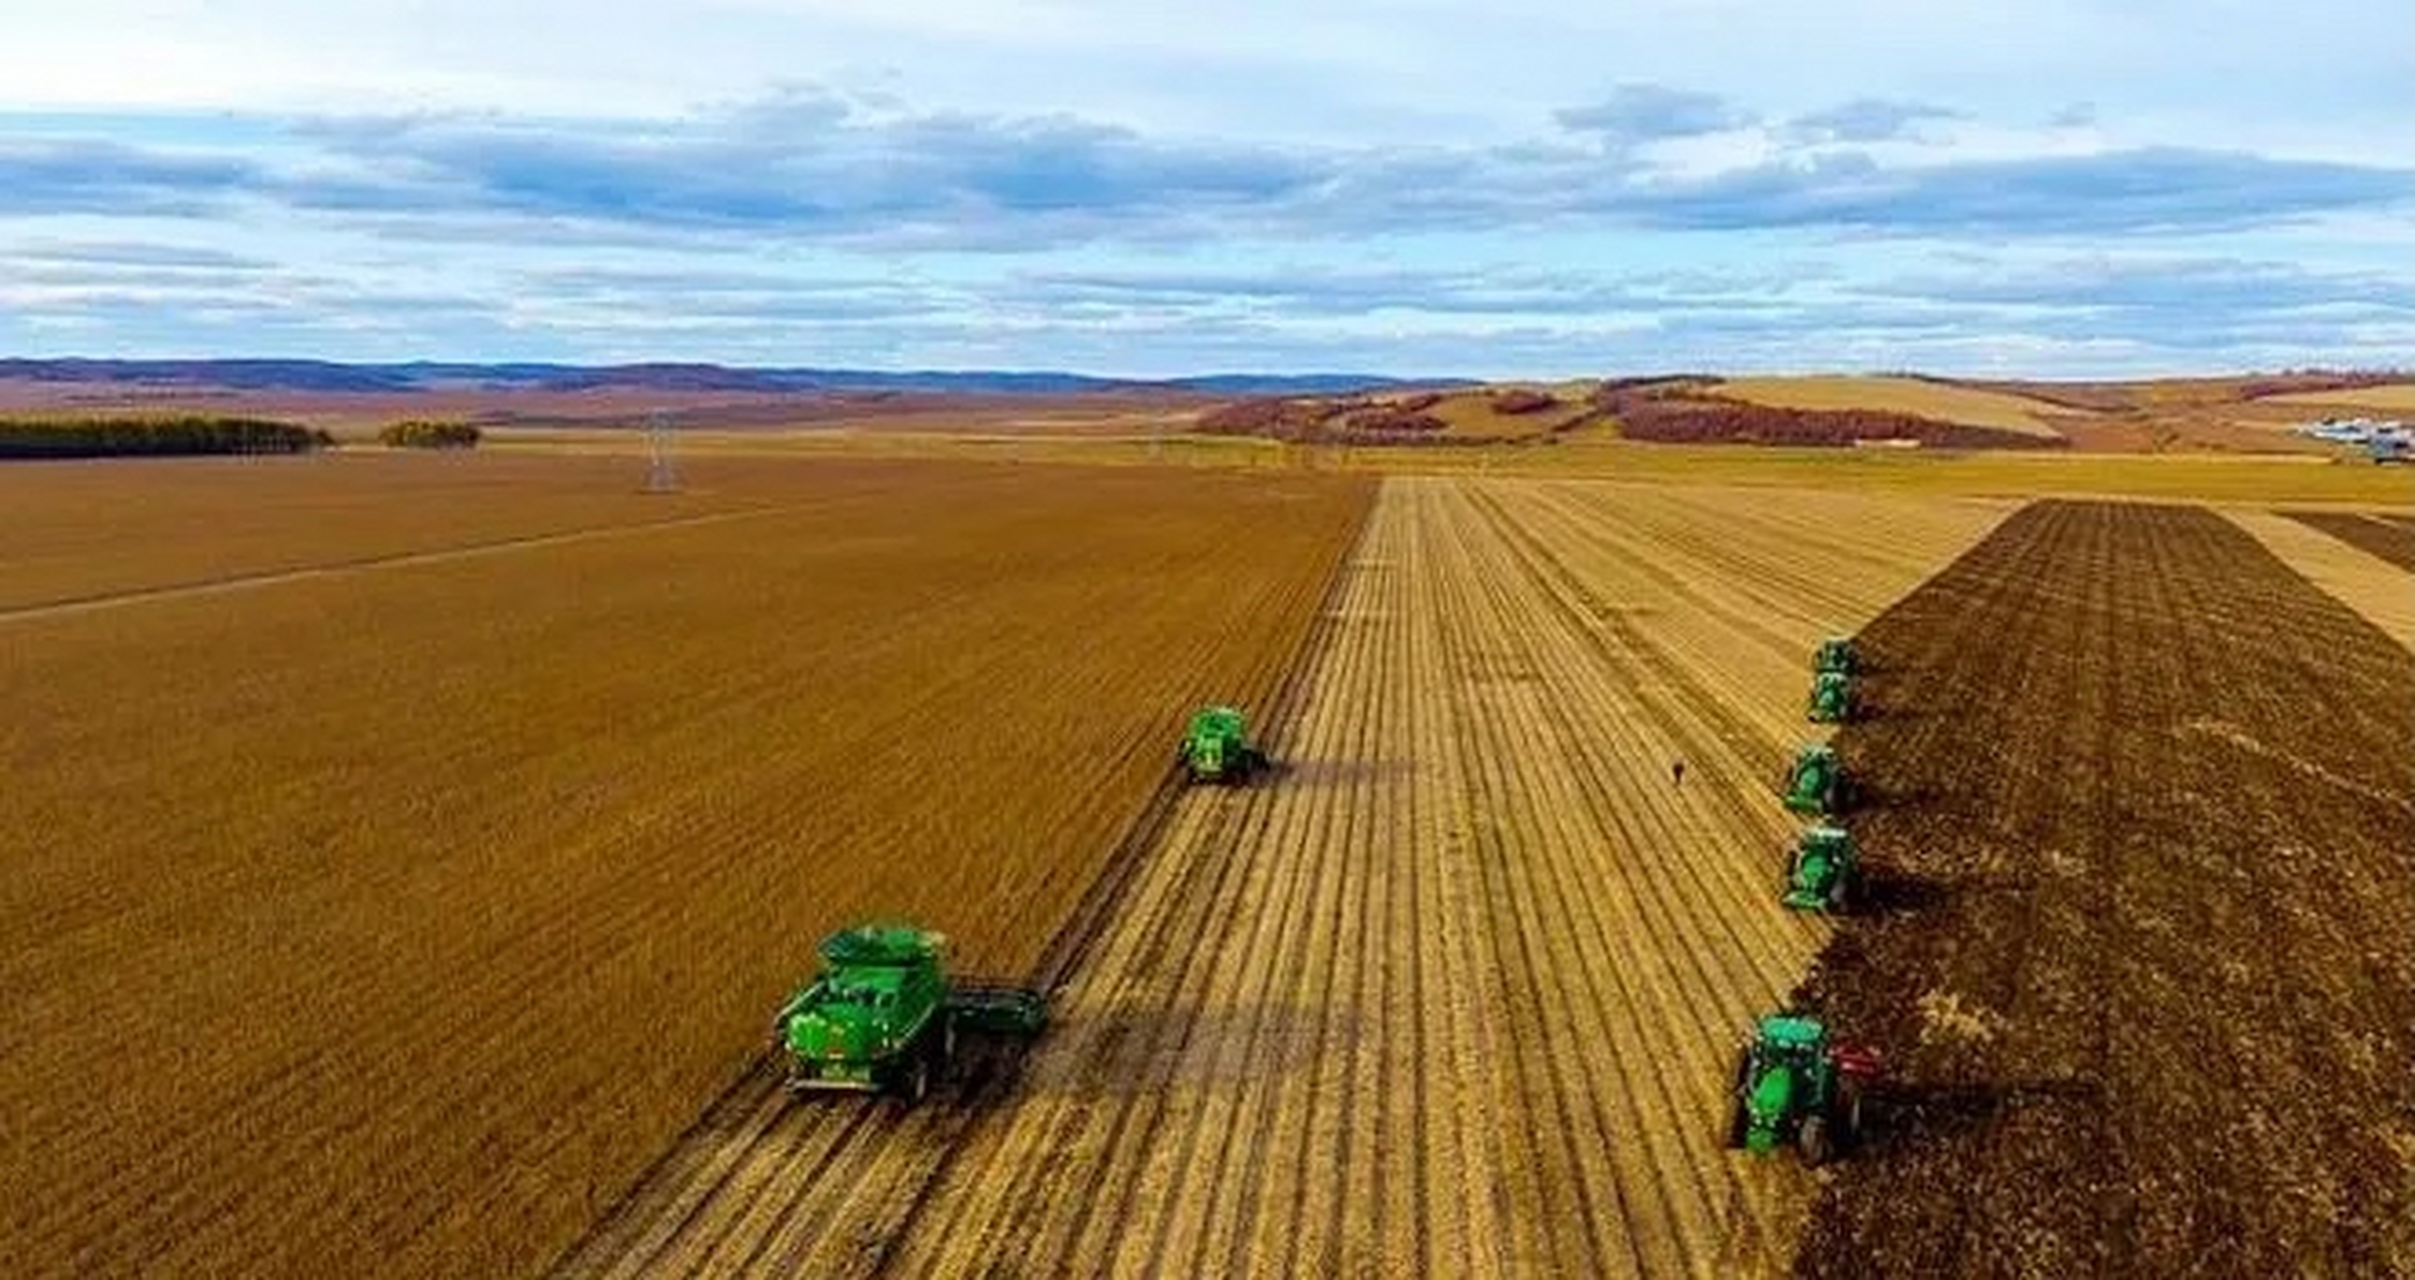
(2375, 588)
(2396, 397)
(1942, 401)
(2259, 481)
(2391, 539)
(84, 530)
(1452, 994)
(2147, 796)
(400, 916)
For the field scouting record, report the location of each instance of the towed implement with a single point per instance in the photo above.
(1832, 700)
(1216, 747)
(1793, 1085)
(882, 1015)
(1816, 782)
(1824, 871)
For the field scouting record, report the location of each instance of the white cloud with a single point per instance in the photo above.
(1711, 157)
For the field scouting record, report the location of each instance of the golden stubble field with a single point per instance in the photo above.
(406, 895)
(1452, 994)
(389, 920)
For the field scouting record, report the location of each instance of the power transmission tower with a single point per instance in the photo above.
(662, 470)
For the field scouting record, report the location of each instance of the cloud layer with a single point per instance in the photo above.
(1244, 197)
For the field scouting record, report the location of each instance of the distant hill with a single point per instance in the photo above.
(324, 376)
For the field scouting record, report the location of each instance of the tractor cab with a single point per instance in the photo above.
(880, 987)
(1835, 654)
(1816, 782)
(1823, 873)
(1792, 1084)
(1832, 699)
(1216, 747)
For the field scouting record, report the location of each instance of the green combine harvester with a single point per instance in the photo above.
(1816, 782)
(1832, 700)
(1216, 748)
(1824, 871)
(883, 1016)
(1836, 654)
(1793, 1085)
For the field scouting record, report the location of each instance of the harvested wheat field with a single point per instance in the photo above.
(2145, 797)
(107, 528)
(391, 920)
(2389, 538)
(1944, 401)
(2373, 587)
(1451, 994)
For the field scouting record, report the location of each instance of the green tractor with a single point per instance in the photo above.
(883, 1016)
(1794, 1085)
(1216, 748)
(1816, 782)
(1832, 700)
(1824, 871)
(1836, 654)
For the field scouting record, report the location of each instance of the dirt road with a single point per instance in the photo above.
(1452, 994)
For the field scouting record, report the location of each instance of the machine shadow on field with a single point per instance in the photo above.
(1909, 1115)
(1893, 891)
(1136, 1052)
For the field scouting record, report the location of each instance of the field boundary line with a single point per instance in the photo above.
(390, 560)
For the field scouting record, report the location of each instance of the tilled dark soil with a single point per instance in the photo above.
(2142, 835)
(2390, 537)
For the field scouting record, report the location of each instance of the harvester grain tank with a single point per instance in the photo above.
(1836, 653)
(1832, 700)
(1823, 870)
(1793, 1084)
(882, 1015)
(1216, 747)
(1816, 782)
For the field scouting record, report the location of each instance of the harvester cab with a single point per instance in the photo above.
(882, 1016)
(1216, 747)
(1824, 871)
(1816, 782)
(1794, 1085)
(1832, 699)
(1835, 654)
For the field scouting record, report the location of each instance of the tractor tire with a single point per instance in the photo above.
(918, 1079)
(1849, 1114)
(1813, 1141)
(1739, 1126)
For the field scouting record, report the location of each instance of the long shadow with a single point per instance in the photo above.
(1888, 891)
(1905, 1114)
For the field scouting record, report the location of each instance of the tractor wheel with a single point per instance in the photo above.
(1813, 1141)
(1849, 1111)
(918, 1079)
(1848, 887)
(1739, 1126)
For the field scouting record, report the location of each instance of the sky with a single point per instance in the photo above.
(1510, 189)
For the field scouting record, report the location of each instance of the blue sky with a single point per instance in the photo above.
(1141, 187)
